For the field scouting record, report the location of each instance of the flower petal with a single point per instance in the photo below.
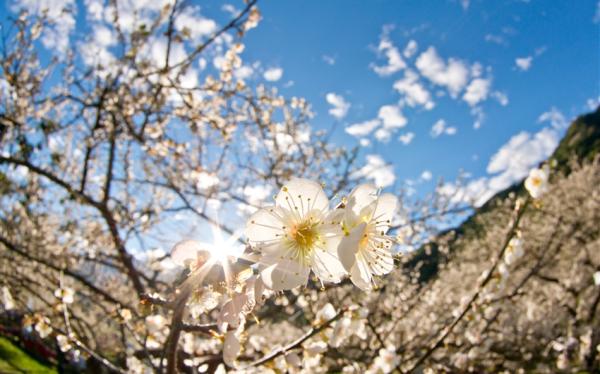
(349, 246)
(186, 250)
(231, 348)
(360, 275)
(284, 273)
(325, 262)
(264, 226)
(385, 210)
(361, 196)
(302, 196)
(380, 260)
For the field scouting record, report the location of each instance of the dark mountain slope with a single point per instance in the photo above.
(581, 142)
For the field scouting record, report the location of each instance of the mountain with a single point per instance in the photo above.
(581, 142)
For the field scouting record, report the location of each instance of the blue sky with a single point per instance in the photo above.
(487, 87)
(532, 59)
(560, 38)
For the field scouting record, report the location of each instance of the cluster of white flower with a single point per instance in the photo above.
(297, 235)
(386, 362)
(301, 233)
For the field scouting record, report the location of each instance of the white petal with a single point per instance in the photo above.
(231, 348)
(385, 210)
(326, 264)
(264, 226)
(284, 274)
(233, 310)
(349, 246)
(380, 260)
(340, 332)
(361, 276)
(361, 196)
(259, 290)
(326, 313)
(186, 250)
(302, 196)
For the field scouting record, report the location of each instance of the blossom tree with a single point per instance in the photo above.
(138, 232)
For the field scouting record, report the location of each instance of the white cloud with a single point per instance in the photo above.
(378, 171)
(414, 92)
(501, 97)
(386, 48)
(440, 128)
(497, 39)
(406, 138)
(426, 175)
(340, 106)
(524, 63)
(197, 26)
(273, 74)
(329, 60)
(453, 74)
(465, 4)
(510, 164)
(243, 72)
(228, 8)
(477, 91)
(520, 154)
(596, 18)
(388, 120)
(477, 112)
(592, 104)
(555, 117)
(392, 117)
(410, 49)
(363, 128)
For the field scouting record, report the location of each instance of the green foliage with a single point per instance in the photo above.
(14, 360)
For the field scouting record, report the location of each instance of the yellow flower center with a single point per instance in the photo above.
(536, 181)
(304, 236)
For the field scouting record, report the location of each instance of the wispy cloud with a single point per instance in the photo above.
(273, 74)
(377, 170)
(329, 60)
(441, 128)
(339, 105)
(524, 63)
(388, 50)
(406, 138)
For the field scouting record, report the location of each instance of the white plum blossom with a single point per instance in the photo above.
(43, 327)
(155, 323)
(386, 362)
(537, 182)
(352, 323)
(233, 312)
(365, 249)
(125, 314)
(514, 250)
(597, 278)
(299, 234)
(63, 343)
(65, 294)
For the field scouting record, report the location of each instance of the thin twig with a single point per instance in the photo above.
(296, 343)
